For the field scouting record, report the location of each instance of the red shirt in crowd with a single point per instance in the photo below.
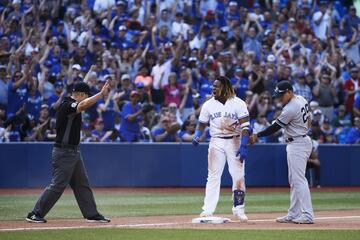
(349, 85)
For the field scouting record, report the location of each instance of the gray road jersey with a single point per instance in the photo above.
(295, 117)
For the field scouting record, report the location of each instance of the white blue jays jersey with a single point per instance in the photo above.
(223, 117)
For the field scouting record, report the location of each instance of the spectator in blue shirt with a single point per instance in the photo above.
(160, 134)
(131, 115)
(58, 30)
(4, 78)
(353, 136)
(107, 108)
(301, 88)
(220, 13)
(34, 101)
(350, 20)
(341, 118)
(251, 38)
(17, 93)
(145, 133)
(123, 93)
(56, 98)
(13, 134)
(12, 126)
(187, 131)
(159, 39)
(240, 83)
(98, 134)
(206, 84)
(120, 38)
(232, 12)
(120, 13)
(356, 107)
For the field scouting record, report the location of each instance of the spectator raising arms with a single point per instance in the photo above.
(171, 52)
(131, 116)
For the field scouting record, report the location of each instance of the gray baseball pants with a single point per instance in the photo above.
(67, 168)
(298, 153)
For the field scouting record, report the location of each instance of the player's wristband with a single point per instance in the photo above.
(244, 140)
(198, 133)
(250, 129)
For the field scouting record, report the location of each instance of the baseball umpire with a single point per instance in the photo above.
(67, 163)
(295, 119)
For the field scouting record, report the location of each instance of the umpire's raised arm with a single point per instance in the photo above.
(88, 101)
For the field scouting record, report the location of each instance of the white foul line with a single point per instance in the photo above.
(152, 224)
(318, 218)
(96, 226)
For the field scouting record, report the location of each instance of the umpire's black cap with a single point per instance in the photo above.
(281, 88)
(82, 87)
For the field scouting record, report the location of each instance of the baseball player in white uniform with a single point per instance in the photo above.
(228, 119)
(295, 120)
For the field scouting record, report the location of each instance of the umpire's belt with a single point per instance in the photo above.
(229, 137)
(66, 146)
(291, 139)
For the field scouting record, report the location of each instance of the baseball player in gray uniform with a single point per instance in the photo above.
(295, 120)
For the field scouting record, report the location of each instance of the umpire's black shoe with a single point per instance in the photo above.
(34, 218)
(98, 219)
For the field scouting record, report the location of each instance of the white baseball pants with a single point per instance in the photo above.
(222, 150)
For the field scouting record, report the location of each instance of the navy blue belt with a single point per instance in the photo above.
(66, 146)
(291, 139)
(230, 137)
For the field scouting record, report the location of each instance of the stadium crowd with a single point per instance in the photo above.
(167, 53)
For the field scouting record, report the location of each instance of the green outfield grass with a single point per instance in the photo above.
(159, 234)
(15, 207)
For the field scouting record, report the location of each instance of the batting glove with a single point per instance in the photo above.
(242, 152)
(243, 149)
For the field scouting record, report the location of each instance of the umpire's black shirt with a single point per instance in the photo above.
(68, 123)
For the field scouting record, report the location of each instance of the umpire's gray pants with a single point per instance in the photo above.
(68, 168)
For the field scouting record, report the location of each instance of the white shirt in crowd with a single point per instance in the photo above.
(103, 5)
(197, 42)
(30, 48)
(180, 28)
(158, 71)
(320, 30)
(178, 6)
(207, 5)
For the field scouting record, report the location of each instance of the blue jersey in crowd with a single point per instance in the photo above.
(98, 135)
(353, 136)
(50, 102)
(3, 92)
(243, 87)
(16, 98)
(159, 131)
(108, 115)
(14, 136)
(357, 102)
(205, 88)
(130, 130)
(33, 104)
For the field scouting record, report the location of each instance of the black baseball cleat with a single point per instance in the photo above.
(34, 218)
(98, 219)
